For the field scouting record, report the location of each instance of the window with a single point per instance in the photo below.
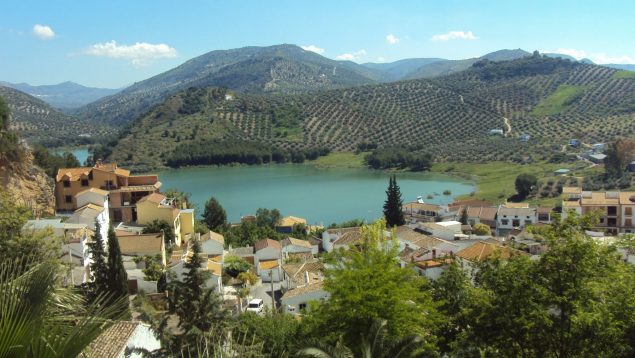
(628, 222)
(67, 184)
(90, 175)
(515, 223)
(504, 221)
(612, 210)
(84, 182)
(302, 306)
(601, 220)
(68, 198)
(527, 222)
(628, 211)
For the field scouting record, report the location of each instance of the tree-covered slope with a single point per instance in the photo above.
(449, 116)
(273, 69)
(63, 95)
(38, 122)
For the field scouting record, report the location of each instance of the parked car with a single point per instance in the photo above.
(255, 305)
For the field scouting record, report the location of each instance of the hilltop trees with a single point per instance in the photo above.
(10, 150)
(392, 207)
(214, 215)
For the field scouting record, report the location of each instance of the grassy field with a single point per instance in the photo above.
(558, 101)
(624, 74)
(495, 180)
(340, 160)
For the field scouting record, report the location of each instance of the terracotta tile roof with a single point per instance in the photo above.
(134, 188)
(268, 264)
(545, 210)
(349, 238)
(426, 264)
(292, 241)
(343, 230)
(211, 235)
(408, 253)
(627, 198)
(482, 212)
(422, 206)
(296, 272)
(264, 243)
(144, 244)
(571, 190)
(472, 202)
(93, 190)
(216, 268)
(291, 220)
(155, 198)
(71, 174)
(483, 250)
(298, 291)
(420, 240)
(112, 168)
(510, 205)
(112, 342)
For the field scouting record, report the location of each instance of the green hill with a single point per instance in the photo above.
(273, 69)
(38, 122)
(449, 116)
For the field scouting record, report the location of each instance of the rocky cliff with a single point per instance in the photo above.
(29, 185)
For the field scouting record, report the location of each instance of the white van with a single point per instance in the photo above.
(255, 305)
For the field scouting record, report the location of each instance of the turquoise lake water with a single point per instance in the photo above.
(322, 196)
(80, 153)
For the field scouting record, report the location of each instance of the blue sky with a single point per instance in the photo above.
(115, 43)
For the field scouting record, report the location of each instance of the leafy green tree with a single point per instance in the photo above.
(524, 184)
(153, 270)
(214, 215)
(367, 284)
(117, 276)
(10, 149)
(482, 229)
(279, 334)
(235, 265)
(161, 226)
(392, 207)
(618, 155)
(267, 218)
(41, 318)
(374, 344)
(98, 267)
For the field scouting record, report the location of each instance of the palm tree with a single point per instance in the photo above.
(373, 345)
(38, 318)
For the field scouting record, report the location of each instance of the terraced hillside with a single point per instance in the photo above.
(273, 69)
(38, 122)
(449, 116)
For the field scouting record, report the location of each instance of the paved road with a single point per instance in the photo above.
(263, 291)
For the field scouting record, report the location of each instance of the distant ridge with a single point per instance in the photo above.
(63, 95)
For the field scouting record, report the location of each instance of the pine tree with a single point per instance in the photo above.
(98, 266)
(393, 204)
(117, 276)
(199, 308)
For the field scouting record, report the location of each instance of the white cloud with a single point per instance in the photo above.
(43, 32)
(139, 54)
(352, 56)
(597, 57)
(381, 59)
(455, 35)
(392, 39)
(313, 48)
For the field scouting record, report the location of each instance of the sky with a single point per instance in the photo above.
(115, 43)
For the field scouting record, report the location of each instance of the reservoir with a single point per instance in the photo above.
(322, 196)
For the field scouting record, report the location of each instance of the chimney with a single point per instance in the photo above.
(306, 277)
(434, 253)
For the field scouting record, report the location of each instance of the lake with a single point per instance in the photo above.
(80, 153)
(322, 196)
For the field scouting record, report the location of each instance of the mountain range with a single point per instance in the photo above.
(63, 95)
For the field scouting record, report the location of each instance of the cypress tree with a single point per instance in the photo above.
(392, 206)
(117, 276)
(98, 267)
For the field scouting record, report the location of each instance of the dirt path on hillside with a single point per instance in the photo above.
(509, 127)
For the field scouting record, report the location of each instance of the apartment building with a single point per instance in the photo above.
(124, 189)
(615, 209)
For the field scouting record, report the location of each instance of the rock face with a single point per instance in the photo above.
(30, 186)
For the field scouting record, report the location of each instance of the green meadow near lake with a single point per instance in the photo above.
(321, 195)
